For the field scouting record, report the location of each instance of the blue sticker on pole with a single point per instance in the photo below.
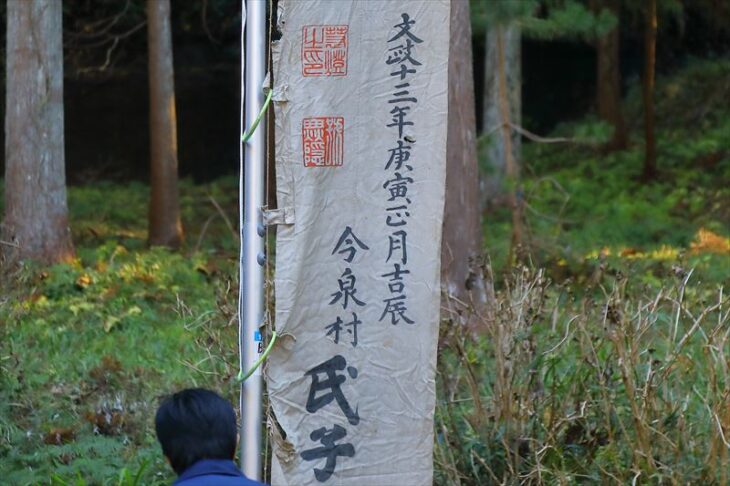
(257, 336)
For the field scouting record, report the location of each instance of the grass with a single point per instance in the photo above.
(88, 348)
(621, 385)
(609, 365)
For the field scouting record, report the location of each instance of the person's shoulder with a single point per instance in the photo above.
(250, 482)
(214, 472)
(218, 480)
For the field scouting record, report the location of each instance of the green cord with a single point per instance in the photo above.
(250, 131)
(244, 377)
(241, 376)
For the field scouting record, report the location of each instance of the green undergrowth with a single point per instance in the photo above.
(587, 211)
(89, 348)
(610, 366)
(623, 384)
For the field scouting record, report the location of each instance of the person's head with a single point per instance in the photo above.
(195, 424)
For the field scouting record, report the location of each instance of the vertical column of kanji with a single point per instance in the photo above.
(413, 109)
(399, 170)
(323, 391)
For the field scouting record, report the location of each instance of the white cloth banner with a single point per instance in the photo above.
(360, 100)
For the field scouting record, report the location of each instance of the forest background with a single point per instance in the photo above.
(601, 354)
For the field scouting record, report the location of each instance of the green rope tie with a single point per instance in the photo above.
(247, 135)
(243, 377)
(250, 131)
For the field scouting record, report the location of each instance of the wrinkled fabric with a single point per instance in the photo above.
(383, 391)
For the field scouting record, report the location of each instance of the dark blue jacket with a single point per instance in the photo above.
(214, 472)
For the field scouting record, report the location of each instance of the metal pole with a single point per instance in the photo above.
(251, 311)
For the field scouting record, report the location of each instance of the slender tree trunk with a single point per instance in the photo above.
(650, 166)
(512, 169)
(36, 215)
(165, 227)
(492, 186)
(609, 82)
(462, 232)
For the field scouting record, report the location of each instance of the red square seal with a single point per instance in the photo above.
(324, 50)
(323, 141)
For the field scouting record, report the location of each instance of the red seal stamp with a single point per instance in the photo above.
(324, 50)
(323, 141)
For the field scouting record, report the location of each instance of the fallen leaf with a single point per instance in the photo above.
(83, 281)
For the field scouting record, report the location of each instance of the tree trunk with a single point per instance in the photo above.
(650, 168)
(493, 188)
(462, 232)
(609, 82)
(36, 214)
(511, 167)
(165, 227)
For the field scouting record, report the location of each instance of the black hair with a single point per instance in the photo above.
(195, 424)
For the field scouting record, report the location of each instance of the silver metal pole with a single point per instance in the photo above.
(253, 257)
